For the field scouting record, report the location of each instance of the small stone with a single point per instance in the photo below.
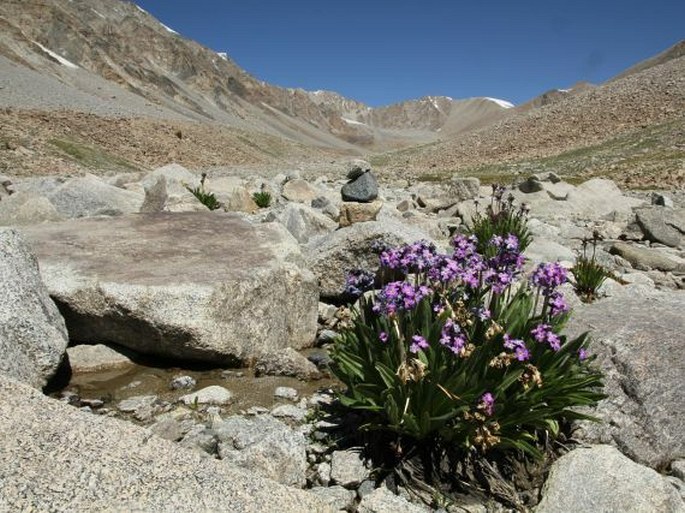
(678, 469)
(348, 468)
(286, 362)
(289, 411)
(326, 337)
(337, 497)
(182, 382)
(286, 393)
(214, 394)
(383, 500)
(256, 410)
(357, 167)
(323, 472)
(661, 200)
(93, 403)
(132, 404)
(96, 358)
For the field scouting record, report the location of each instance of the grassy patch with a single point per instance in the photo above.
(91, 156)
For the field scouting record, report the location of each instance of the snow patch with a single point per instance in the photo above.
(223, 55)
(502, 103)
(564, 90)
(435, 103)
(168, 29)
(58, 58)
(141, 9)
(352, 121)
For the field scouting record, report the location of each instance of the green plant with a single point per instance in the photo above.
(501, 218)
(206, 198)
(588, 273)
(262, 199)
(461, 352)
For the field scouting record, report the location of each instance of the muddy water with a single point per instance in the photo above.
(113, 386)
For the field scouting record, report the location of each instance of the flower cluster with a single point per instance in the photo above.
(518, 346)
(359, 281)
(410, 258)
(549, 276)
(397, 296)
(543, 333)
(453, 337)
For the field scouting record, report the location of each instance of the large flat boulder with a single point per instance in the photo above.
(206, 286)
(54, 457)
(638, 336)
(33, 337)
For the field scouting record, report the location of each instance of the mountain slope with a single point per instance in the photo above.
(651, 101)
(121, 43)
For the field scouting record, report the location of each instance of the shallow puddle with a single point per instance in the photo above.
(115, 385)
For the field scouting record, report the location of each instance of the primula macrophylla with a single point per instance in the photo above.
(430, 351)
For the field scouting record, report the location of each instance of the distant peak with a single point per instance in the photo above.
(502, 103)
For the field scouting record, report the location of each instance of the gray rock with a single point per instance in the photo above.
(384, 501)
(337, 497)
(664, 225)
(543, 250)
(348, 468)
(204, 286)
(90, 196)
(323, 473)
(330, 257)
(232, 193)
(644, 258)
(182, 383)
(300, 191)
(213, 394)
(638, 339)
(678, 469)
(200, 438)
(661, 200)
(56, 458)
(33, 337)
(286, 362)
(27, 208)
(363, 189)
(142, 408)
(289, 411)
(166, 190)
(286, 393)
(357, 167)
(600, 478)
(96, 358)
(304, 222)
(532, 184)
(265, 445)
(440, 196)
(171, 429)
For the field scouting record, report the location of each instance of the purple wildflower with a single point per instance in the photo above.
(557, 304)
(410, 258)
(482, 313)
(487, 403)
(383, 337)
(358, 281)
(543, 333)
(549, 276)
(399, 295)
(418, 343)
(452, 337)
(464, 247)
(583, 354)
(518, 346)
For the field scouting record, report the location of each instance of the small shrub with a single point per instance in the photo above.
(588, 273)
(501, 218)
(262, 199)
(462, 351)
(206, 198)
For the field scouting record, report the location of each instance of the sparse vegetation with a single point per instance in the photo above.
(501, 218)
(588, 273)
(262, 199)
(208, 199)
(91, 156)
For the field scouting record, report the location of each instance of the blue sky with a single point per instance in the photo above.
(384, 51)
